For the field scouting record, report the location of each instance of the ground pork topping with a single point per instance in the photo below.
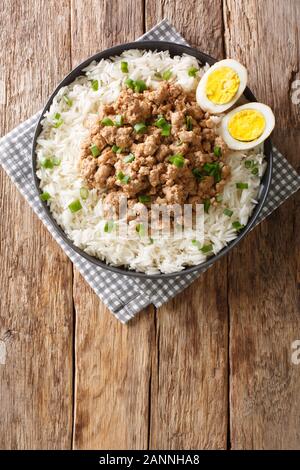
(155, 146)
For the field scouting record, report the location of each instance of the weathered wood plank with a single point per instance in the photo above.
(36, 277)
(263, 298)
(189, 373)
(112, 360)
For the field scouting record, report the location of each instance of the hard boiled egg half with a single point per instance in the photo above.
(247, 126)
(221, 86)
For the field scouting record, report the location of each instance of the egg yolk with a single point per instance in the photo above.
(247, 125)
(222, 85)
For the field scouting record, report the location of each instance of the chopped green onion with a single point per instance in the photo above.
(45, 196)
(84, 193)
(213, 169)
(139, 86)
(124, 67)
(107, 122)
(75, 206)
(119, 120)
(207, 204)
(116, 149)
(219, 198)
(140, 228)
(95, 85)
(95, 150)
(255, 171)
(158, 75)
(129, 158)
(217, 151)
(108, 227)
(166, 130)
(166, 75)
(140, 128)
(207, 248)
(123, 178)
(151, 241)
(144, 199)
(161, 122)
(57, 121)
(192, 71)
(237, 225)
(130, 83)
(228, 212)
(177, 160)
(48, 163)
(197, 173)
(248, 164)
(189, 123)
(68, 101)
(242, 185)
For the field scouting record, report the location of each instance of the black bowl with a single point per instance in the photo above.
(174, 49)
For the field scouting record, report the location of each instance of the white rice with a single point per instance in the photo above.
(86, 227)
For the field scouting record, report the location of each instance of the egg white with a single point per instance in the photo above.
(235, 144)
(201, 97)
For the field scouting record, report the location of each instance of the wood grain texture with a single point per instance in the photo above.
(35, 276)
(189, 374)
(263, 297)
(112, 361)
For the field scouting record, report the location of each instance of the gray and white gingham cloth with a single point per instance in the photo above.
(125, 296)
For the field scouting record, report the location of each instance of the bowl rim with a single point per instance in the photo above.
(174, 49)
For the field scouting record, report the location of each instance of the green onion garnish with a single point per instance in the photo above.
(192, 71)
(84, 193)
(217, 151)
(68, 101)
(189, 123)
(123, 178)
(45, 196)
(144, 199)
(207, 205)
(56, 161)
(124, 67)
(158, 75)
(197, 173)
(48, 163)
(57, 121)
(248, 164)
(207, 248)
(95, 150)
(139, 86)
(161, 122)
(108, 227)
(237, 225)
(107, 122)
(213, 169)
(219, 198)
(116, 149)
(129, 158)
(130, 83)
(95, 85)
(140, 228)
(242, 185)
(119, 120)
(140, 128)
(75, 206)
(255, 171)
(177, 160)
(166, 130)
(228, 212)
(166, 75)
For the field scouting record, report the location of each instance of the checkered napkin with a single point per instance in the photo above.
(125, 296)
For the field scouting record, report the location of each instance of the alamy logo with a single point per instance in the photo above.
(296, 92)
(296, 352)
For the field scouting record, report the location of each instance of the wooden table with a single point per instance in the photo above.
(211, 369)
